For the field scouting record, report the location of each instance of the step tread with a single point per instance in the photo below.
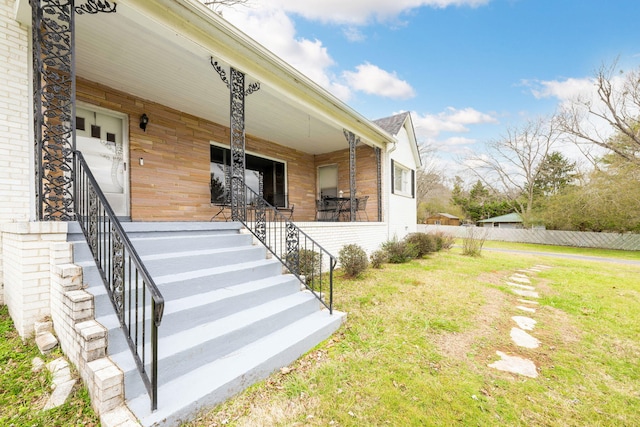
(189, 338)
(111, 321)
(204, 272)
(214, 382)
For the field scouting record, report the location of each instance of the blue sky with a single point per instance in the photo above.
(466, 69)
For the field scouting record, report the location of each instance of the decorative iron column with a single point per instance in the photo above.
(237, 93)
(353, 141)
(53, 116)
(378, 152)
(54, 97)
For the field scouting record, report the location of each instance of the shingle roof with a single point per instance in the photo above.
(512, 217)
(392, 124)
(448, 215)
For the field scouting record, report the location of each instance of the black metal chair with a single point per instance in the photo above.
(361, 206)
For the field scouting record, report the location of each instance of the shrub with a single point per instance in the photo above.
(474, 240)
(423, 243)
(378, 258)
(353, 260)
(443, 240)
(399, 252)
(309, 264)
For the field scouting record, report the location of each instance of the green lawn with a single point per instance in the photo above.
(419, 336)
(24, 393)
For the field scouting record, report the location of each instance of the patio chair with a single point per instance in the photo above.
(361, 206)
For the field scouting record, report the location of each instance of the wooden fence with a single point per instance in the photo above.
(621, 241)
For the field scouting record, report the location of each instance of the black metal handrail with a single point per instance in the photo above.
(129, 285)
(297, 251)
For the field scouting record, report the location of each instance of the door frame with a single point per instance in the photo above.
(125, 147)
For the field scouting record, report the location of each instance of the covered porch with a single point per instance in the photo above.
(206, 100)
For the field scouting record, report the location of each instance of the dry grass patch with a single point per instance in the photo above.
(419, 336)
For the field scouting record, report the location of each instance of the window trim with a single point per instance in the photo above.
(410, 192)
(266, 157)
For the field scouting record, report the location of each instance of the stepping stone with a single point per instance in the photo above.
(525, 323)
(524, 271)
(523, 339)
(515, 365)
(517, 285)
(520, 279)
(526, 301)
(524, 293)
(534, 270)
(62, 385)
(527, 309)
(46, 342)
(542, 266)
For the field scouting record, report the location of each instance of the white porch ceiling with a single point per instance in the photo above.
(133, 52)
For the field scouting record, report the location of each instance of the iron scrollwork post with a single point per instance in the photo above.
(54, 112)
(118, 273)
(293, 247)
(353, 141)
(54, 96)
(236, 84)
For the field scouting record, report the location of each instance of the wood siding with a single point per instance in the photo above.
(173, 183)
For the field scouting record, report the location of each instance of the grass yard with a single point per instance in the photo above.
(419, 336)
(24, 393)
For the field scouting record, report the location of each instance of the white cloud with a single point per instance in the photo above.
(373, 80)
(272, 28)
(360, 12)
(353, 34)
(563, 90)
(450, 120)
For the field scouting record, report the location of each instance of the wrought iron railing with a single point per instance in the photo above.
(298, 252)
(135, 297)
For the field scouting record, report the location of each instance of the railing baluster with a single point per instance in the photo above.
(301, 259)
(113, 252)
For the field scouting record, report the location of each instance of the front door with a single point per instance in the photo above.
(100, 139)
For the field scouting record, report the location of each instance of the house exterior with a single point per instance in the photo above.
(171, 106)
(443, 219)
(512, 220)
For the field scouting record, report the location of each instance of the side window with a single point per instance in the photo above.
(402, 180)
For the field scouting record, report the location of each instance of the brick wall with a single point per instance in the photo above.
(366, 174)
(26, 251)
(83, 340)
(15, 163)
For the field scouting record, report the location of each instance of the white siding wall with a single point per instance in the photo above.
(402, 210)
(332, 236)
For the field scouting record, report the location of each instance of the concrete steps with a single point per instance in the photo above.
(231, 317)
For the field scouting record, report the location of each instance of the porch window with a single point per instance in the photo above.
(271, 171)
(402, 180)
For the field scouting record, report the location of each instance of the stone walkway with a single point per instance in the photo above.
(520, 284)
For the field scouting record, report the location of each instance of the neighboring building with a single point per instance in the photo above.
(443, 219)
(173, 107)
(512, 220)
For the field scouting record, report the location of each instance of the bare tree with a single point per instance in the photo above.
(428, 177)
(511, 164)
(218, 5)
(617, 109)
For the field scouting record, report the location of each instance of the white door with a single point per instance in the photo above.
(100, 138)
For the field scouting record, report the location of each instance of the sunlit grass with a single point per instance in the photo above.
(23, 393)
(419, 336)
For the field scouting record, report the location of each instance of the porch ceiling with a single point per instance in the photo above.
(142, 50)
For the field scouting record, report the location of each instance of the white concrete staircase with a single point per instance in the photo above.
(231, 317)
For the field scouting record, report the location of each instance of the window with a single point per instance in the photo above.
(272, 173)
(402, 179)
